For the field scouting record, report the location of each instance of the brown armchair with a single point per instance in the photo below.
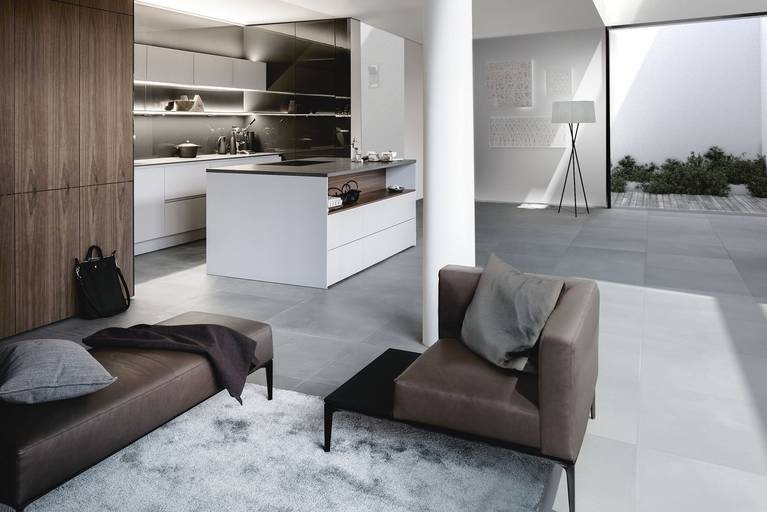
(544, 414)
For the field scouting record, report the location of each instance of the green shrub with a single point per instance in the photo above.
(617, 183)
(758, 186)
(757, 179)
(694, 176)
(706, 174)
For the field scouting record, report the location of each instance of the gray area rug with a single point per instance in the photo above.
(268, 456)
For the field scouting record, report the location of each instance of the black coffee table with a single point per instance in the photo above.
(370, 391)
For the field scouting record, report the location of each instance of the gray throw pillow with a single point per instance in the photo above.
(508, 313)
(37, 371)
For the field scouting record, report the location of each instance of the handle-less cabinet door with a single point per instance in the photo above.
(249, 75)
(184, 180)
(47, 233)
(184, 215)
(139, 61)
(7, 270)
(167, 65)
(7, 128)
(106, 117)
(106, 220)
(47, 95)
(212, 70)
(149, 203)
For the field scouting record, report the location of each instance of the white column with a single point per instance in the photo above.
(448, 207)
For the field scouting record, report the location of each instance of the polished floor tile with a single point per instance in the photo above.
(669, 483)
(681, 402)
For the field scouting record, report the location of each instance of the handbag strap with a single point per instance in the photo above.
(89, 253)
(124, 284)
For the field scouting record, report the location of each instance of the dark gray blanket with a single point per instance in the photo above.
(231, 354)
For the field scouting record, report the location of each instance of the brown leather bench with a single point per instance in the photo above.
(44, 445)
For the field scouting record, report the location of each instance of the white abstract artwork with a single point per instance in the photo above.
(559, 82)
(524, 132)
(509, 84)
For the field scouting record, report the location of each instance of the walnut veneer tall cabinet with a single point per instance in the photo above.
(66, 150)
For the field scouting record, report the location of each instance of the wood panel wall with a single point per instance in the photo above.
(106, 90)
(6, 98)
(46, 70)
(7, 271)
(103, 211)
(68, 169)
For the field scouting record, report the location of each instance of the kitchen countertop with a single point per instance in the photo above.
(327, 167)
(199, 158)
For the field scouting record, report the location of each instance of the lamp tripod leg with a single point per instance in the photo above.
(564, 184)
(583, 187)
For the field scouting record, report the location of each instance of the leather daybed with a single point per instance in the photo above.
(44, 445)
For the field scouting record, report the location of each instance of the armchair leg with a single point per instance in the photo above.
(570, 472)
(594, 408)
(269, 379)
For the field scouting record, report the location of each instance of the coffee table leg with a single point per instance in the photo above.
(328, 426)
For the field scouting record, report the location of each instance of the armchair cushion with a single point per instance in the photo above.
(450, 387)
(508, 313)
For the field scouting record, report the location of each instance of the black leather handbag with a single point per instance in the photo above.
(101, 287)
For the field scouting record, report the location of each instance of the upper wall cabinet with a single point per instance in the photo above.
(6, 100)
(139, 61)
(106, 122)
(249, 75)
(167, 65)
(46, 72)
(212, 70)
(156, 64)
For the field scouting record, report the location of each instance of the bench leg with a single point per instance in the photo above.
(269, 378)
(328, 426)
(570, 472)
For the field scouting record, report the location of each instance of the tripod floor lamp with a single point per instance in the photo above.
(573, 113)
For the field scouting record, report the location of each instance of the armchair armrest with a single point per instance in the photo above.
(457, 285)
(567, 369)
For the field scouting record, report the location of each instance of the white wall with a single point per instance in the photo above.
(685, 87)
(535, 174)
(414, 109)
(383, 107)
(763, 58)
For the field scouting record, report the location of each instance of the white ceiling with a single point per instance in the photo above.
(628, 12)
(492, 18)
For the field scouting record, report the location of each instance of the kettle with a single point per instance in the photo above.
(222, 146)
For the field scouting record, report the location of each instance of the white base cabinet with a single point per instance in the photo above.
(276, 228)
(170, 202)
(361, 237)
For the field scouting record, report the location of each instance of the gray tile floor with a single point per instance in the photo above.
(682, 393)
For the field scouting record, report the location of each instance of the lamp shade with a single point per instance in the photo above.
(573, 112)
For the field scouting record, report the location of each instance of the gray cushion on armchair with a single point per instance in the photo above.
(508, 313)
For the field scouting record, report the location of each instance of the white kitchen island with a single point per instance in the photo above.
(270, 222)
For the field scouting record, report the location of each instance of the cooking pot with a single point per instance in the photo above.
(187, 149)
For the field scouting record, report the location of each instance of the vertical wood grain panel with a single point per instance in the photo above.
(47, 241)
(7, 287)
(106, 220)
(106, 97)
(123, 6)
(46, 95)
(6, 98)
